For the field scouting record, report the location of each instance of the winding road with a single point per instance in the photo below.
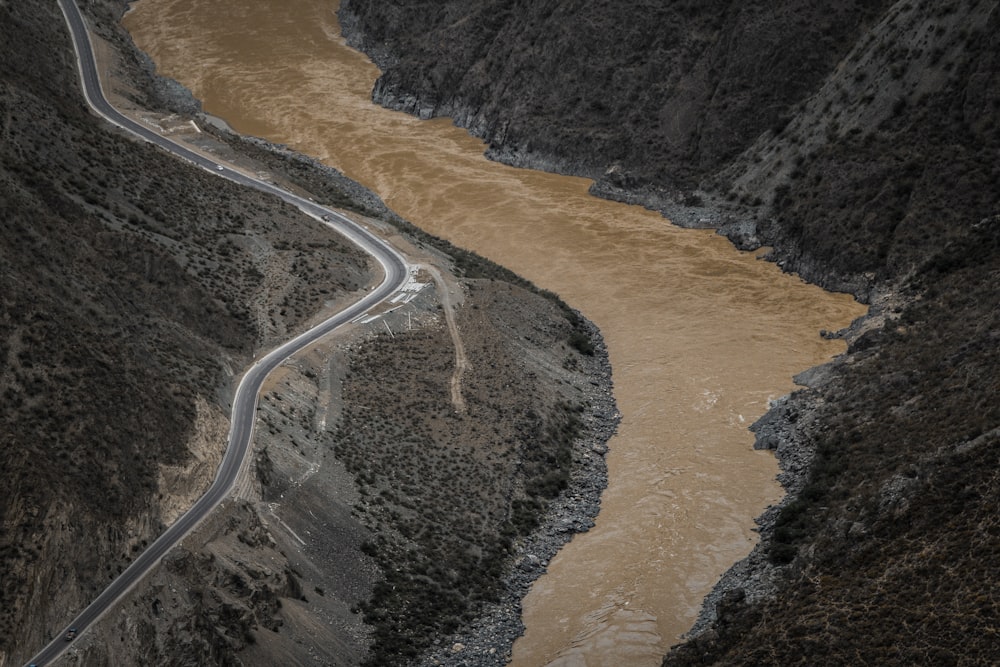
(237, 453)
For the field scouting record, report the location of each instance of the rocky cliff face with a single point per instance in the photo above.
(861, 142)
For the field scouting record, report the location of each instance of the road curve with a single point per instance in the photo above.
(396, 272)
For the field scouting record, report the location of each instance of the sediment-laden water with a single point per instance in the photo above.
(701, 336)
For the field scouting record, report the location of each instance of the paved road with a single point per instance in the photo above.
(245, 400)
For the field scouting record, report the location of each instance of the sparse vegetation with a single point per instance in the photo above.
(447, 494)
(125, 279)
(128, 283)
(671, 91)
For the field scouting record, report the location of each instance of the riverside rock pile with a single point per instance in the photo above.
(487, 642)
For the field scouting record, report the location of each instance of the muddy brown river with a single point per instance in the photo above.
(701, 336)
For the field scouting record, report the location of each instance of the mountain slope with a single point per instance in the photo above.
(130, 287)
(670, 91)
(752, 103)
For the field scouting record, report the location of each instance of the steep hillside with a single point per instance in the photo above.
(892, 157)
(889, 553)
(131, 288)
(861, 143)
(669, 91)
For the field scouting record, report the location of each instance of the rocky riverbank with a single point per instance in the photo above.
(788, 429)
(487, 641)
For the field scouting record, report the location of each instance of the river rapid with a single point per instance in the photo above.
(701, 336)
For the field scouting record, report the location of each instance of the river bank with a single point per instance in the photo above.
(489, 639)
